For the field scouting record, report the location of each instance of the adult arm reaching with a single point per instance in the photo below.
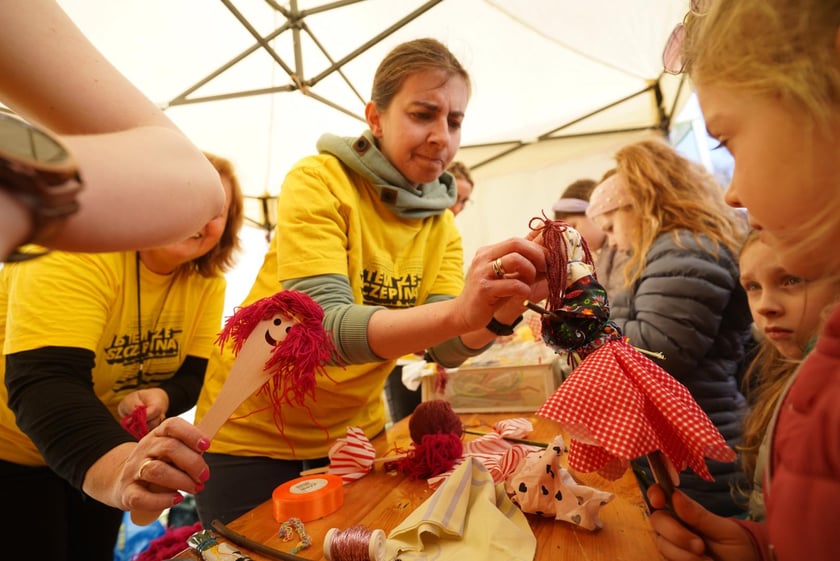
(145, 183)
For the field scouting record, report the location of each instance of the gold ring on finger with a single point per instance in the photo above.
(498, 269)
(145, 463)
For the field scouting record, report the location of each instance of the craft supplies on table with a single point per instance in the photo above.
(516, 376)
(207, 544)
(354, 543)
(308, 498)
(383, 500)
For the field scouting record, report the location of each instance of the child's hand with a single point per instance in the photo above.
(692, 533)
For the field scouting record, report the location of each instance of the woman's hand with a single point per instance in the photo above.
(500, 278)
(155, 400)
(697, 535)
(145, 476)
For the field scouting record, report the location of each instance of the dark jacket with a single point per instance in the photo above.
(689, 305)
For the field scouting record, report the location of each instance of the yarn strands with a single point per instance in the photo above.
(436, 435)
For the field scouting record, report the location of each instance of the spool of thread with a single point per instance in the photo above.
(308, 498)
(356, 543)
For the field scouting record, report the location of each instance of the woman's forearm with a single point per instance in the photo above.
(145, 183)
(122, 172)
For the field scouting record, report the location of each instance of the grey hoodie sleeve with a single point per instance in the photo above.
(348, 322)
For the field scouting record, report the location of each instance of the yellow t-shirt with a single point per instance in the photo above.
(89, 301)
(331, 221)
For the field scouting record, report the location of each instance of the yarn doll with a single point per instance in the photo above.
(617, 404)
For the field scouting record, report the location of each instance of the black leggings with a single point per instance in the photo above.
(67, 524)
(239, 483)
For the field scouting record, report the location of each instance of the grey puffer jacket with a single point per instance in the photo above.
(689, 305)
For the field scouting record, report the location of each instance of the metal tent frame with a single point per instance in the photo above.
(298, 81)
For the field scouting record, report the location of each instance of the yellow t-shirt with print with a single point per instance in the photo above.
(89, 301)
(331, 221)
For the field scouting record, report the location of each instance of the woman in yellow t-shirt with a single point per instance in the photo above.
(363, 228)
(89, 338)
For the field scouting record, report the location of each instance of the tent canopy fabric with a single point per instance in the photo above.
(557, 86)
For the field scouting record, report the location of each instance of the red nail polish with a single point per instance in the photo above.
(204, 475)
(199, 488)
(177, 499)
(203, 444)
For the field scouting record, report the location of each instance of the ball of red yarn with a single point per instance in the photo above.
(436, 432)
(433, 455)
(434, 417)
(173, 542)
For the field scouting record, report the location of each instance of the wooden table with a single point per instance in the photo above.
(383, 500)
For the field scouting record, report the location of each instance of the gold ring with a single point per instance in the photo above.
(498, 270)
(145, 463)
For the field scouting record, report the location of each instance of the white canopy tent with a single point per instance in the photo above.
(558, 86)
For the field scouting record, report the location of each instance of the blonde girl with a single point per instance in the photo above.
(767, 74)
(787, 311)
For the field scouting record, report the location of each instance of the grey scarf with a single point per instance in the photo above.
(403, 198)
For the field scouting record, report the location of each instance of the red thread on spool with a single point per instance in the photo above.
(356, 543)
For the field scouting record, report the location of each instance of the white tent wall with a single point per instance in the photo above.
(537, 67)
(505, 202)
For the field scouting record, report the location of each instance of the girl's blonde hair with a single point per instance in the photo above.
(670, 193)
(788, 51)
(222, 257)
(769, 47)
(763, 382)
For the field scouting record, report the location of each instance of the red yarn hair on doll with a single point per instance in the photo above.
(557, 257)
(303, 353)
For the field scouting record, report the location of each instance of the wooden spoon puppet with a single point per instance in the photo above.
(280, 344)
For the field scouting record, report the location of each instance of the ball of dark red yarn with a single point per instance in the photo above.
(434, 417)
(436, 434)
(433, 455)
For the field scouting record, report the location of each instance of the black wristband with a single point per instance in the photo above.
(500, 328)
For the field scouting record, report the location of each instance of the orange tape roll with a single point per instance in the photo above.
(308, 498)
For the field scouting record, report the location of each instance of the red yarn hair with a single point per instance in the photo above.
(557, 257)
(436, 435)
(294, 361)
